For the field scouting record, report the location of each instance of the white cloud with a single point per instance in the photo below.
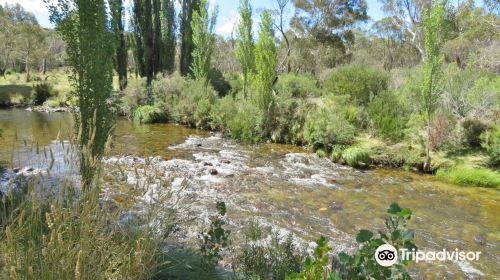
(228, 23)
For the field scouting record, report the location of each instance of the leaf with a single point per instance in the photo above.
(405, 213)
(394, 208)
(364, 236)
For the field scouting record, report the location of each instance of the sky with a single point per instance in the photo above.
(227, 19)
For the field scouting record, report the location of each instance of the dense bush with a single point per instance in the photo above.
(166, 91)
(297, 85)
(134, 95)
(149, 114)
(41, 92)
(195, 104)
(325, 126)
(472, 132)
(224, 110)
(389, 115)
(490, 141)
(360, 82)
(219, 82)
(247, 124)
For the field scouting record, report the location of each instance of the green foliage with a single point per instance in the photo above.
(266, 60)
(203, 26)
(244, 44)
(355, 156)
(219, 82)
(361, 82)
(195, 104)
(294, 85)
(225, 109)
(389, 115)
(167, 90)
(261, 259)
(215, 239)
(462, 175)
(41, 93)
(247, 124)
(134, 95)
(149, 114)
(490, 141)
(362, 264)
(84, 27)
(316, 266)
(325, 126)
(472, 132)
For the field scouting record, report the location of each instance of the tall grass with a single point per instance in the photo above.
(462, 175)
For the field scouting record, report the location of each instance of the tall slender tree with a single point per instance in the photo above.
(117, 13)
(83, 25)
(203, 26)
(157, 38)
(137, 40)
(168, 35)
(186, 16)
(147, 31)
(433, 35)
(245, 49)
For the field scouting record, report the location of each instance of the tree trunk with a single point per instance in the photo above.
(44, 66)
(28, 68)
(427, 163)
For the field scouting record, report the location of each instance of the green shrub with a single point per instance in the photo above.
(355, 156)
(149, 114)
(326, 126)
(41, 92)
(166, 91)
(389, 115)
(134, 95)
(195, 104)
(223, 112)
(336, 154)
(490, 141)
(472, 132)
(360, 82)
(297, 85)
(468, 176)
(247, 124)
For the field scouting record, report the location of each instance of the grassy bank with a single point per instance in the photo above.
(468, 176)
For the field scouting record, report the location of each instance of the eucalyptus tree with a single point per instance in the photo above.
(186, 31)
(434, 30)
(83, 25)
(203, 26)
(245, 49)
(117, 26)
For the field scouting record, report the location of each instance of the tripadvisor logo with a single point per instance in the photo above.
(386, 255)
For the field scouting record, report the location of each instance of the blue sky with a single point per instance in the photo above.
(228, 11)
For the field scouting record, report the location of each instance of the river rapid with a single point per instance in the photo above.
(285, 187)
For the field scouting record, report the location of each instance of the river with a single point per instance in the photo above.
(292, 189)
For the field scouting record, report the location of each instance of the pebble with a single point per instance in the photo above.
(213, 171)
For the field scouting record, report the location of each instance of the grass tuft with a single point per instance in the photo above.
(467, 176)
(355, 156)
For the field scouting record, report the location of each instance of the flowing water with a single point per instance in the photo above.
(292, 189)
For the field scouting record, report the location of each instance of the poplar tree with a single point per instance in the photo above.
(433, 35)
(83, 26)
(203, 26)
(245, 44)
(186, 16)
(117, 27)
(168, 35)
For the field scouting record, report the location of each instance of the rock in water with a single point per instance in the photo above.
(213, 171)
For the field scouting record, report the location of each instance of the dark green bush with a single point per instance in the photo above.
(360, 82)
(195, 104)
(389, 115)
(325, 126)
(472, 132)
(150, 114)
(490, 141)
(41, 92)
(297, 85)
(166, 91)
(219, 82)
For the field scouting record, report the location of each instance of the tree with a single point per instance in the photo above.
(117, 12)
(186, 16)
(245, 50)
(83, 26)
(266, 61)
(433, 34)
(203, 27)
(137, 40)
(168, 36)
(280, 25)
(407, 15)
(328, 22)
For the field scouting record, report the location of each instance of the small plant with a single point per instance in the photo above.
(490, 141)
(41, 92)
(149, 114)
(355, 156)
(217, 238)
(316, 267)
